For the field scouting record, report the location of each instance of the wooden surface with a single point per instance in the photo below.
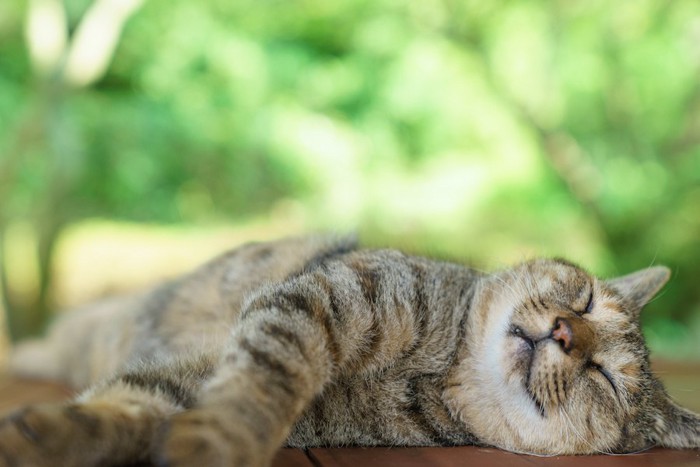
(682, 381)
(482, 457)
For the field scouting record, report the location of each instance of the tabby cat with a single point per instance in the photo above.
(313, 342)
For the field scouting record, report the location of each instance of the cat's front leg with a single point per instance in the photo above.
(283, 351)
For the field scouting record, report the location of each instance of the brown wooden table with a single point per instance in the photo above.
(682, 381)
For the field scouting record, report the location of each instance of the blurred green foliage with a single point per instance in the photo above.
(470, 129)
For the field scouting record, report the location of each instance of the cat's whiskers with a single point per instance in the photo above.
(579, 436)
(527, 286)
(510, 299)
(572, 428)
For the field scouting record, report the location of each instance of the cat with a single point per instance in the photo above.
(314, 342)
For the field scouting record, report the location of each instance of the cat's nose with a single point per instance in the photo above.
(574, 336)
(563, 333)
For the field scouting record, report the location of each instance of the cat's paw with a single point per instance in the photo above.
(198, 437)
(45, 435)
(75, 434)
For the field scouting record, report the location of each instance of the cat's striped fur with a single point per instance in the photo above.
(313, 342)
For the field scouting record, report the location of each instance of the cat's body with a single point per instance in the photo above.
(313, 342)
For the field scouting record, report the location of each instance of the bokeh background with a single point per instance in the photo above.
(140, 137)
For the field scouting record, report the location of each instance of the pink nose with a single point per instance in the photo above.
(562, 333)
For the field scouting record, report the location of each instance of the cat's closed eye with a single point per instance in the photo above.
(589, 304)
(605, 373)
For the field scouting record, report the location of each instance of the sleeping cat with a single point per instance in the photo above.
(313, 342)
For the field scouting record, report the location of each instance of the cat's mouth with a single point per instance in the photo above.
(524, 361)
(524, 348)
(518, 332)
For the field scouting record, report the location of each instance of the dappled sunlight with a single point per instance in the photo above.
(440, 191)
(522, 57)
(96, 38)
(96, 258)
(46, 34)
(19, 245)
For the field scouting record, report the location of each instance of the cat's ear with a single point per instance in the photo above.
(641, 286)
(677, 427)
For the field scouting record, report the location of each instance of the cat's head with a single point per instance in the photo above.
(558, 364)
